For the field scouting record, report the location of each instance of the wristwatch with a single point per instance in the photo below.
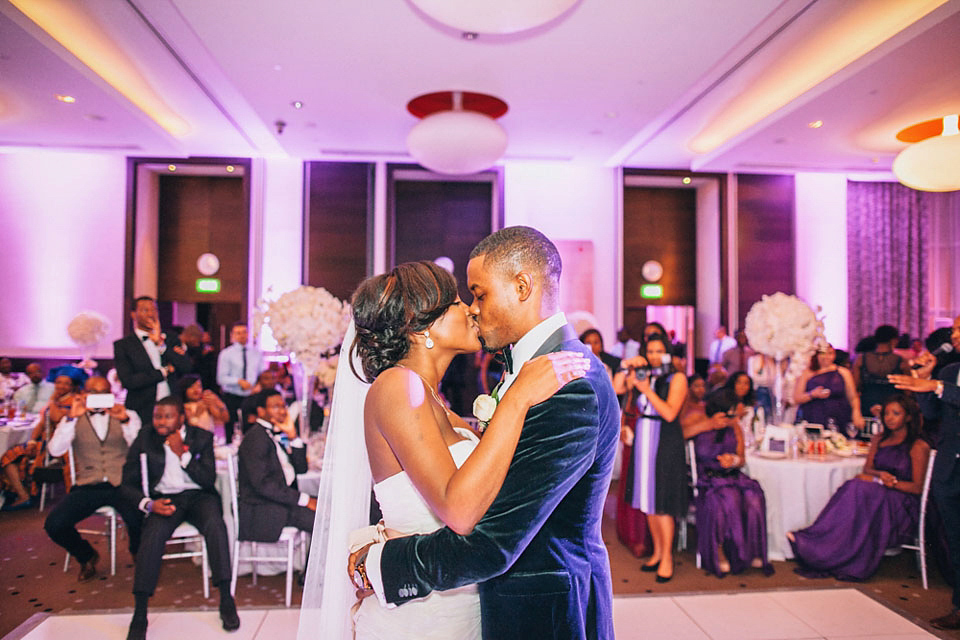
(360, 579)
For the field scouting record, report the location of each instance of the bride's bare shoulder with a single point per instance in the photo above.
(391, 387)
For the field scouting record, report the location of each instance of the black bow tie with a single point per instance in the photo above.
(144, 338)
(97, 412)
(507, 359)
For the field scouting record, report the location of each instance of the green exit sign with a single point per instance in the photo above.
(208, 285)
(651, 291)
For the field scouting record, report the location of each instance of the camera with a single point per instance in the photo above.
(100, 401)
(647, 371)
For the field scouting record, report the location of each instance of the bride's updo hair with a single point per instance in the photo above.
(388, 308)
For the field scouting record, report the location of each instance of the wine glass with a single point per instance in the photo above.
(852, 430)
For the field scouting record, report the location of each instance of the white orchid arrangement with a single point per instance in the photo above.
(782, 325)
(309, 323)
(88, 328)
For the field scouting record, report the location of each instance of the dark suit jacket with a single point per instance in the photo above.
(537, 553)
(202, 467)
(948, 408)
(264, 496)
(138, 375)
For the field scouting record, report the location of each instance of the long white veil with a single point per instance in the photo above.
(342, 506)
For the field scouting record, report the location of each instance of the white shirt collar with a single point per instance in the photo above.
(532, 340)
(141, 333)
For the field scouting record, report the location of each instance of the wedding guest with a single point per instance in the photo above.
(826, 392)
(875, 511)
(735, 358)
(656, 476)
(203, 358)
(19, 462)
(593, 339)
(762, 369)
(720, 344)
(267, 380)
(625, 346)
(237, 369)
(202, 407)
(10, 380)
(269, 459)
(870, 370)
(147, 362)
(100, 439)
(34, 395)
(731, 509)
(653, 328)
(181, 474)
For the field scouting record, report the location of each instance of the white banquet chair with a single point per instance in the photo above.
(920, 544)
(110, 529)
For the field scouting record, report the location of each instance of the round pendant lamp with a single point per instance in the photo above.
(933, 163)
(493, 16)
(458, 133)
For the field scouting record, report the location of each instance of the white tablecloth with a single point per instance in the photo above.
(15, 432)
(796, 490)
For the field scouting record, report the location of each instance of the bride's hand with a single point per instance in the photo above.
(543, 376)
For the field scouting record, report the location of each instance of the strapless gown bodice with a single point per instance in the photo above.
(442, 614)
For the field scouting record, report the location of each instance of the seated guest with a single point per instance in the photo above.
(248, 406)
(876, 510)
(593, 339)
(826, 392)
(202, 407)
(269, 459)
(737, 399)
(19, 462)
(34, 395)
(100, 439)
(10, 380)
(870, 370)
(181, 473)
(731, 509)
(735, 358)
(625, 347)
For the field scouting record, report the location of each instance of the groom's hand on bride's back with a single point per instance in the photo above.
(544, 375)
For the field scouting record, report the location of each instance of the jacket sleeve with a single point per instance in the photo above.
(202, 467)
(253, 466)
(557, 447)
(932, 406)
(298, 458)
(182, 364)
(131, 484)
(130, 377)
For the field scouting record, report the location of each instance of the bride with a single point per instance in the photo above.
(428, 468)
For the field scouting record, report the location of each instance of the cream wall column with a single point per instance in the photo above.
(821, 249)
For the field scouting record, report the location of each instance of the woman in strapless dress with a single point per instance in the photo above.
(429, 468)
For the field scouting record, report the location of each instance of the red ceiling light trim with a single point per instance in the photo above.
(430, 103)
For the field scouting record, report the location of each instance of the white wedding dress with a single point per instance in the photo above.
(442, 615)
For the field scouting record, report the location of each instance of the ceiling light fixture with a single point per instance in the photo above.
(78, 32)
(816, 124)
(493, 16)
(458, 133)
(171, 167)
(856, 29)
(930, 163)
(296, 104)
(65, 98)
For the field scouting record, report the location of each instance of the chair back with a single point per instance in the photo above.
(73, 465)
(234, 507)
(144, 480)
(926, 488)
(692, 455)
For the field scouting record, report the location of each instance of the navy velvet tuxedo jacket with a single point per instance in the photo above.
(537, 552)
(202, 467)
(264, 496)
(948, 446)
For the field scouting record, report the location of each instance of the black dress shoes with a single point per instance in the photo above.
(88, 570)
(949, 621)
(228, 615)
(138, 628)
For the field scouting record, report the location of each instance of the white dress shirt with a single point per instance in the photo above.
(522, 351)
(154, 351)
(230, 368)
(624, 350)
(67, 430)
(718, 347)
(34, 396)
(289, 473)
(175, 478)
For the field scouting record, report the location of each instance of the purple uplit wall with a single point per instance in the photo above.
(572, 202)
(821, 249)
(63, 218)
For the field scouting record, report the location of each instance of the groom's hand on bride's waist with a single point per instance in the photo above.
(357, 571)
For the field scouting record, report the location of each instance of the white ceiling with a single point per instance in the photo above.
(610, 82)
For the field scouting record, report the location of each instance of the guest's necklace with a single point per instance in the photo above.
(433, 391)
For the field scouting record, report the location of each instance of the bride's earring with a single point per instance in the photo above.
(428, 343)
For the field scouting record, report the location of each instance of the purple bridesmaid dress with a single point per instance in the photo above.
(731, 510)
(820, 410)
(860, 522)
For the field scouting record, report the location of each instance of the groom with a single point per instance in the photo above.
(537, 553)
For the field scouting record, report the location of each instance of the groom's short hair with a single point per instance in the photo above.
(515, 249)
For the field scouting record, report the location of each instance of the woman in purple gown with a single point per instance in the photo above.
(731, 510)
(826, 391)
(876, 510)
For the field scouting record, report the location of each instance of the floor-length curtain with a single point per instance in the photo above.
(887, 258)
(944, 257)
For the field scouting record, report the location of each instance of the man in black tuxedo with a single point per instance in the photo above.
(537, 552)
(941, 395)
(148, 366)
(270, 457)
(181, 472)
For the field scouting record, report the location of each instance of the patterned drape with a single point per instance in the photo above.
(887, 240)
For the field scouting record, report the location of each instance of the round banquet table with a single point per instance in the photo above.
(796, 490)
(15, 432)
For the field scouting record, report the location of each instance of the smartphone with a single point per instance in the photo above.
(100, 401)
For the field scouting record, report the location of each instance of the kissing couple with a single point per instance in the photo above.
(492, 536)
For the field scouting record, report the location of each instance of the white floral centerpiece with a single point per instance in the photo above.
(782, 326)
(87, 329)
(308, 323)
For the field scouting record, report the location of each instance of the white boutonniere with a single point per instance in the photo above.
(483, 408)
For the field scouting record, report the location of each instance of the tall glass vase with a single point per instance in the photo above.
(305, 399)
(778, 405)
